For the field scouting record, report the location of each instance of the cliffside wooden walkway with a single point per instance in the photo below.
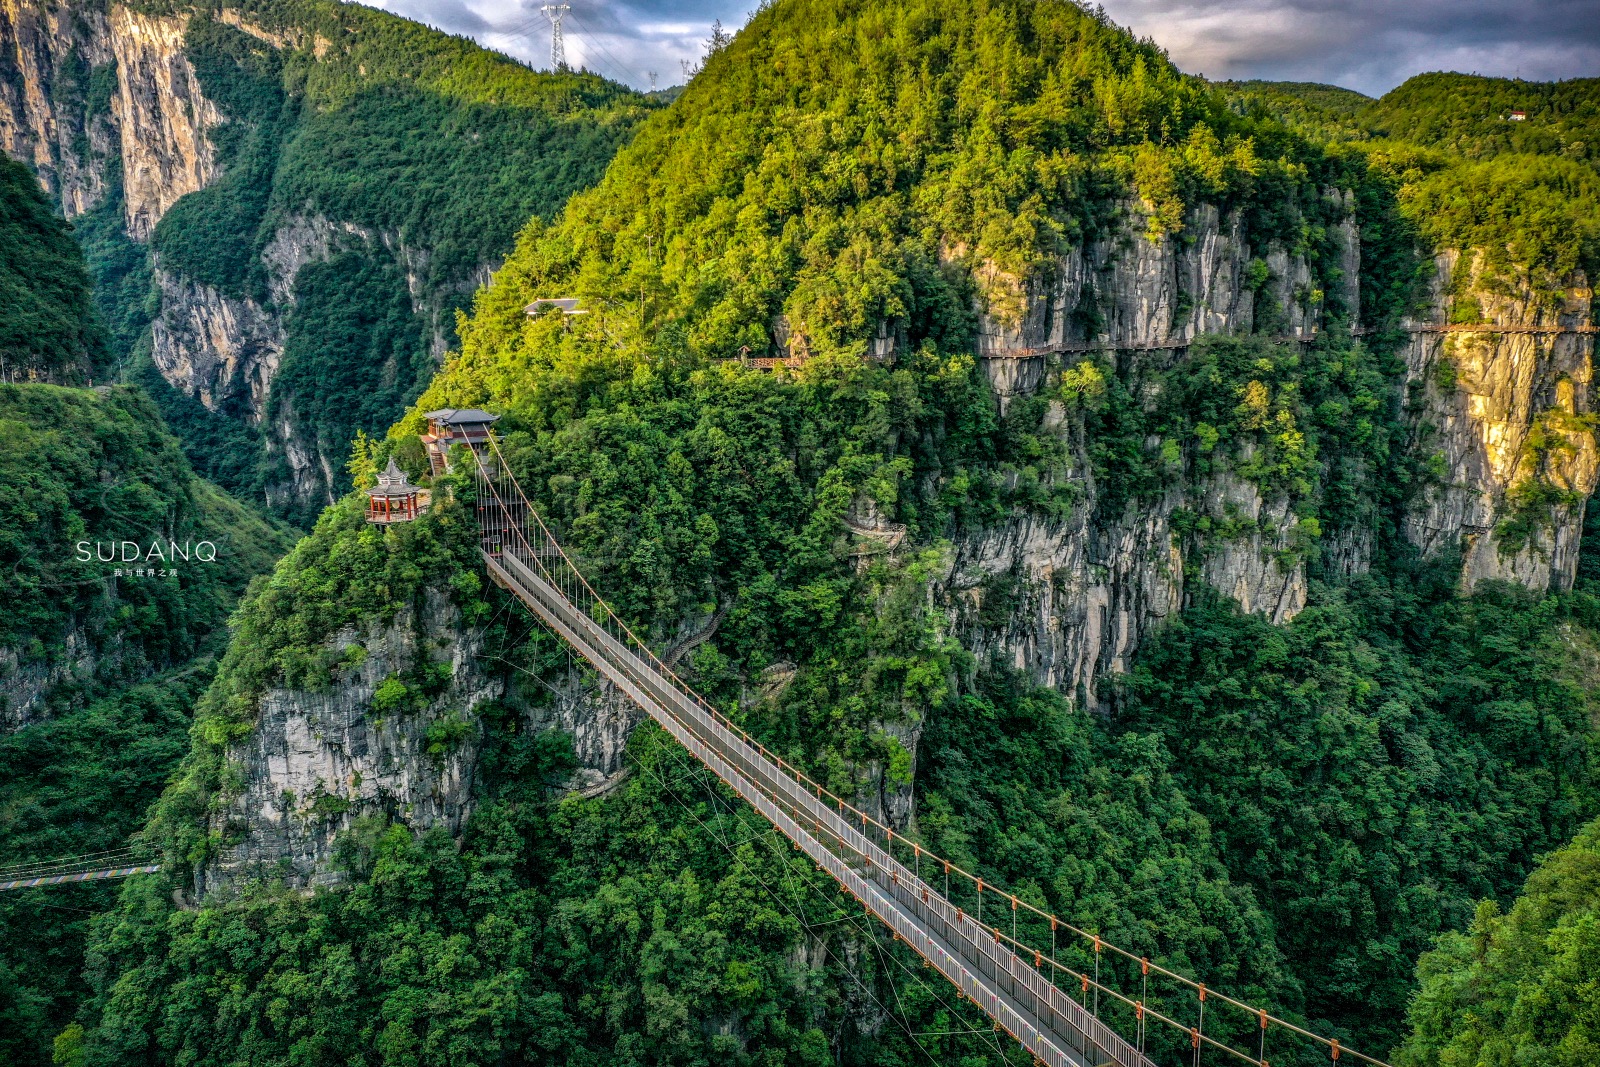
(1085, 347)
(1022, 988)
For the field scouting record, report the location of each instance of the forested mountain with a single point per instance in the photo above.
(285, 204)
(121, 567)
(1119, 520)
(1108, 532)
(92, 479)
(1465, 114)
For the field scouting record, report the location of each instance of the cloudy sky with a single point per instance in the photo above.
(1370, 45)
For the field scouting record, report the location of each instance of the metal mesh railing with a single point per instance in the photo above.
(88, 867)
(1019, 985)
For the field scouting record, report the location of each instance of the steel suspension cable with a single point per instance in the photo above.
(570, 577)
(700, 772)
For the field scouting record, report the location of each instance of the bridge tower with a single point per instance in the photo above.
(455, 426)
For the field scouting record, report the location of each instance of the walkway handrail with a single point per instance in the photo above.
(650, 681)
(1053, 1027)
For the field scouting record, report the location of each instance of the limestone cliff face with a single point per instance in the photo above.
(25, 685)
(90, 93)
(162, 115)
(1509, 420)
(1130, 292)
(156, 121)
(1065, 602)
(223, 350)
(319, 761)
(1068, 601)
(226, 350)
(46, 49)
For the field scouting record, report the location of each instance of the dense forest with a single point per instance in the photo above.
(1468, 174)
(1464, 114)
(1519, 983)
(1294, 813)
(46, 327)
(103, 649)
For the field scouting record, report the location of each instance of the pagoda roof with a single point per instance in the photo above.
(392, 481)
(461, 416)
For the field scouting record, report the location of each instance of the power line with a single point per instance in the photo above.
(595, 39)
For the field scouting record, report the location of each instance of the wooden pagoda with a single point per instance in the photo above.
(393, 499)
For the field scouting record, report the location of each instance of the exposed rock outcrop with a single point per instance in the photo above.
(1509, 420)
(47, 49)
(1128, 291)
(162, 115)
(25, 685)
(598, 717)
(319, 761)
(94, 97)
(1068, 601)
(221, 349)
(157, 120)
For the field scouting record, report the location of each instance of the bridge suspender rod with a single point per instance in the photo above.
(1014, 995)
(546, 579)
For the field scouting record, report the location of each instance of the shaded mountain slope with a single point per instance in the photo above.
(47, 325)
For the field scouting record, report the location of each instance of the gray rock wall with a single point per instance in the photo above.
(319, 761)
(222, 349)
(1506, 417)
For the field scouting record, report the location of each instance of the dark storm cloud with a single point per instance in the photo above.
(1370, 45)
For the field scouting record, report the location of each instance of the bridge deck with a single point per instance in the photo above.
(78, 876)
(1049, 1023)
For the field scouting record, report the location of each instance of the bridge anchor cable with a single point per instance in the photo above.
(1017, 985)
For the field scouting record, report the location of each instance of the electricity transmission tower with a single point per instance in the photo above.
(558, 50)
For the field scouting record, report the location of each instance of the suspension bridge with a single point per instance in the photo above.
(1084, 1002)
(89, 867)
(1024, 990)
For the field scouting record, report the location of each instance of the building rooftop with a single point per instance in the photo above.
(460, 416)
(567, 304)
(392, 481)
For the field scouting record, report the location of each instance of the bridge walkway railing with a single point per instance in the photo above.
(1054, 1027)
(987, 965)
